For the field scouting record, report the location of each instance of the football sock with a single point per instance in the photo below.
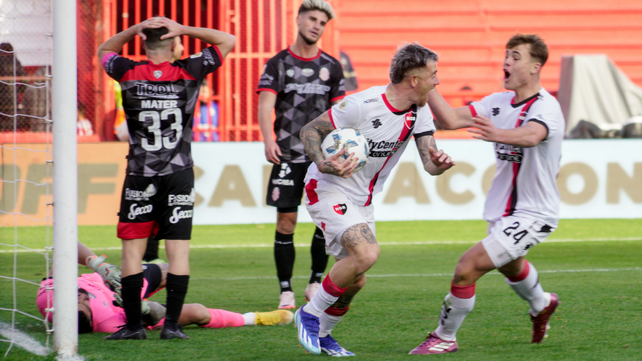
(176, 290)
(132, 287)
(326, 296)
(527, 286)
(151, 252)
(457, 305)
(330, 318)
(284, 256)
(319, 257)
(223, 319)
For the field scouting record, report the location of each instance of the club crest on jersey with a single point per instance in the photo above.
(290, 73)
(324, 74)
(410, 119)
(158, 74)
(307, 72)
(340, 208)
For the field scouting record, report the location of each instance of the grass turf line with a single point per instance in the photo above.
(599, 317)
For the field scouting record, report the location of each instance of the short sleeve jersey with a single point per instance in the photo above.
(525, 179)
(304, 88)
(388, 131)
(159, 102)
(105, 317)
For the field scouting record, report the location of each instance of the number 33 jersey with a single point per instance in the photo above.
(159, 102)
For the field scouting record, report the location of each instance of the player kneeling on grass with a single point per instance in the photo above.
(522, 206)
(340, 201)
(98, 309)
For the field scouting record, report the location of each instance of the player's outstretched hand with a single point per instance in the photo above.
(334, 165)
(440, 159)
(484, 129)
(272, 152)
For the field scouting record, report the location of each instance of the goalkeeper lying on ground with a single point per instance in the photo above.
(98, 309)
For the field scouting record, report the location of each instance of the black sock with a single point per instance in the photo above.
(319, 257)
(284, 256)
(176, 291)
(132, 286)
(151, 252)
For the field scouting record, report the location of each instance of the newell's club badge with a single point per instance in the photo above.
(158, 74)
(324, 74)
(340, 208)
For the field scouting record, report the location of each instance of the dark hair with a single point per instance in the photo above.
(538, 50)
(407, 58)
(153, 40)
(84, 323)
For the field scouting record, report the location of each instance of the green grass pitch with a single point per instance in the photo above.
(594, 266)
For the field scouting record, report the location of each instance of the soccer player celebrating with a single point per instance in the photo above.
(340, 201)
(98, 309)
(527, 128)
(299, 83)
(159, 99)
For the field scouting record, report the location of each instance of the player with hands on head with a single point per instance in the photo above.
(340, 201)
(158, 194)
(526, 126)
(299, 83)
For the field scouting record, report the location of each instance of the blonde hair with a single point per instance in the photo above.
(321, 5)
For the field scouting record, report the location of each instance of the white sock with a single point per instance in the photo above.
(453, 312)
(327, 323)
(320, 302)
(249, 319)
(531, 290)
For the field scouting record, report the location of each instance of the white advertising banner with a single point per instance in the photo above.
(598, 179)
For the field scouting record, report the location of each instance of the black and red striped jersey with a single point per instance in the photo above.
(304, 88)
(159, 102)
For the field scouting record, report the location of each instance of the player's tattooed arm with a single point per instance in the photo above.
(435, 161)
(312, 136)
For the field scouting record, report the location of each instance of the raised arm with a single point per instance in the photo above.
(312, 136)
(224, 41)
(267, 99)
(435, 161)
(447, 116)
(526, 136)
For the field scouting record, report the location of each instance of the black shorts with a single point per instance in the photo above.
(285, 187)
(161, 205)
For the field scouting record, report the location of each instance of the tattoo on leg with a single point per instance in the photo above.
(357, 234)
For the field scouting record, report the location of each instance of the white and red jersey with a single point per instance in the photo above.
(524, 182)
(388, 131)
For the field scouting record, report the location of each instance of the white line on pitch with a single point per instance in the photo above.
(417, 243)
(23, 340)
(589, 270)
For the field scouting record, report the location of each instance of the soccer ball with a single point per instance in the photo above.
(350, 140)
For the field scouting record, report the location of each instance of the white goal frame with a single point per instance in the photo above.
(65, 179)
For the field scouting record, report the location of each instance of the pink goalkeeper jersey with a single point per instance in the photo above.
(388, 131)
(105, 316)
(525, 179)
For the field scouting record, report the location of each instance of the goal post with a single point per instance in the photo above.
(65, 179)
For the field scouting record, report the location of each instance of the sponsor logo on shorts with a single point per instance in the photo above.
(177, 215)
(135, 211)
(285, 170)
(283, 182)
(340, 208)
(182, 199)
(276, 193)
(136, 195)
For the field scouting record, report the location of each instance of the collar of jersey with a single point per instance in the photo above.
(523, 101)
(304, 59)
(393, 109)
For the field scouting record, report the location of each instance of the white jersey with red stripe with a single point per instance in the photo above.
(388, 131)
(525, 179)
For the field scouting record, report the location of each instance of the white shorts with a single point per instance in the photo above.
(511, 237)
(334, 213)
